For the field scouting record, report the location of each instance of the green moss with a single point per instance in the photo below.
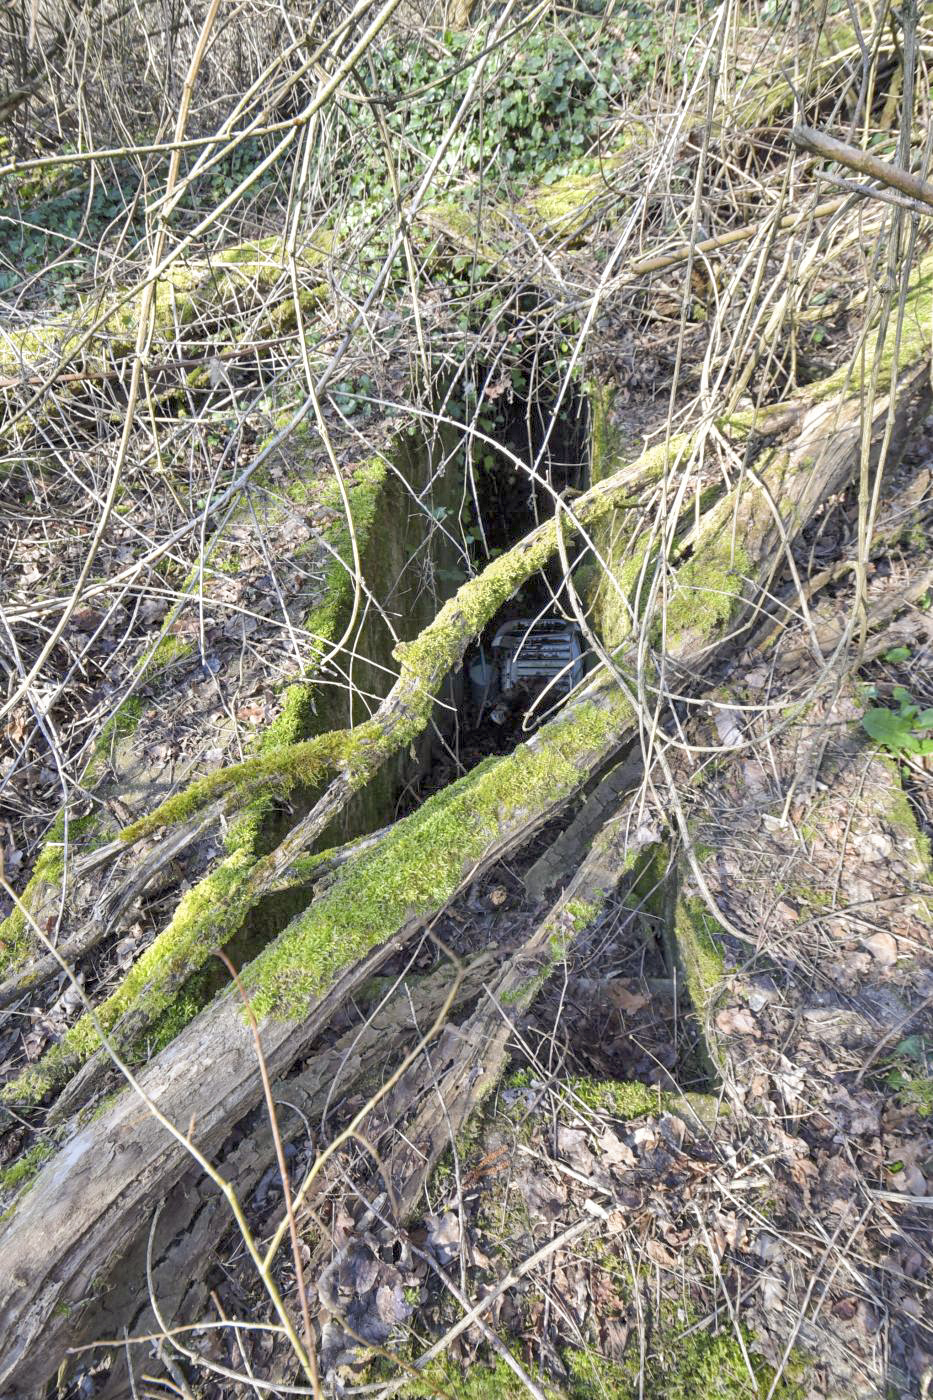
(811, 896)
(324, 622)
(422, 861)
(296, 713)
(149, 989)
(628, 1099)
(286, 759)
(25, 349)
(168, 651)
(278, 772)
(180, 1010)
(253, 251)
(263, 261)
(913, 1092)
(123, 723)
(680, 1367)
(91, 1112)
(486, 234)
(17, 943)
(914, 344)
(26, 1166)
(622, 595)
(304, 868)
(441, 645)
(524, 994)
(480, 1382)
(563, 204)
(679, 1364)
(695, 931)
(282, 318)
(186, 294)
(572, 918)
(900, 816)
(582, 912)
(604, 442)
(426, 661)
(16, 938)
(621, 1098)
(706, 591)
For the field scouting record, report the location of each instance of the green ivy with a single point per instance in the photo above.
(43, 219)
(547, 93)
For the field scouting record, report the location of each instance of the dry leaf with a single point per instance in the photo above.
(736, 1021)
(883, 948)
(625, 999)
(444, 1236)
(572, 1144)
(660, 1255)
(614, 1152)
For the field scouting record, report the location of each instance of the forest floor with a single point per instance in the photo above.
(707, 1169)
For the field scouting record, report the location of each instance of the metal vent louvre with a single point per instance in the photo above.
(535, 652)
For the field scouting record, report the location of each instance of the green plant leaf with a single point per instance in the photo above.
(887, 728)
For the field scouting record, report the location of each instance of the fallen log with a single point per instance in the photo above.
(468, 1062)
(195, 1215)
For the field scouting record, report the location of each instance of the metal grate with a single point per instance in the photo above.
(533, 653)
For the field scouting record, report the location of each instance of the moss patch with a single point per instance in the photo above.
(16, 1175)
(914, 344)
(199, 291)
(626, 1099)
(899, 815)
(305, 764)
(152, 982)
(17, 943)
(426, 661)
(494, 1382)
(422, 861)
(678, 1367)
(324, 622)
(696, 931)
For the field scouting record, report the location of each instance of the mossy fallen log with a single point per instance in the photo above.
(195, 1215)
(200, 293)
(468, 1063)
(91, 1197)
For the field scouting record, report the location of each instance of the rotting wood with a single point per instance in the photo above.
(194, 1215)
(468, 1062)
(85, 1208)
(739, 545)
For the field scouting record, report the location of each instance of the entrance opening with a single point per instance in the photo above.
(533, 653)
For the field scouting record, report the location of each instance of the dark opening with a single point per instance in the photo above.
(533, 652)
